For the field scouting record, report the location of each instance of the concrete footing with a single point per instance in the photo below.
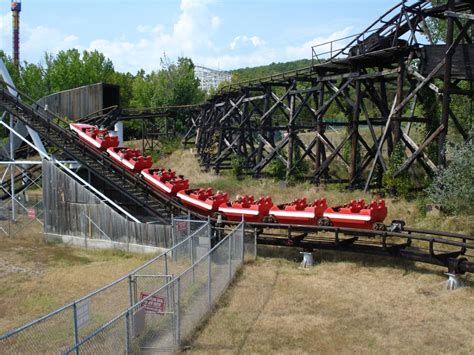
(454, 281)
(308, 260)
(104, 244)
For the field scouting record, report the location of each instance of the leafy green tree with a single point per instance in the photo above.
(32, 81)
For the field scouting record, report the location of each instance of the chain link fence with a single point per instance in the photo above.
(162, 320)
(21, 215)
(73, 322)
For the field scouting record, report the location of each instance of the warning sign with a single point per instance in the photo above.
(82, 314)
(154, 304)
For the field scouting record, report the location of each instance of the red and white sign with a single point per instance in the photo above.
(154, 304)
(31, 213)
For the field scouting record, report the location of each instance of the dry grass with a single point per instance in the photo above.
(184, 162)
(37, 277)
(346, 304)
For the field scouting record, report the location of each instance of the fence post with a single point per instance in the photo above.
(229, 240)
(167, 279)
(76, 331)
(130, 294)
(127, 332)
(255, 244)
(130, 290)
(209, 279)
(209, 231)
(192, 256)
(173, 242)
(189, 224)
(178, 311)
(242, 239)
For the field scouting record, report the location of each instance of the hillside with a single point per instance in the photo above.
(245, 74)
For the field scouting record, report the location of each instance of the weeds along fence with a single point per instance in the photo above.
(168, 316)
(73, 322)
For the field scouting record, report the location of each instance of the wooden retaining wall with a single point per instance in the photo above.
(70, 209)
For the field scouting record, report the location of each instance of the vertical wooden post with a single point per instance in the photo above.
(383, 94)
(446, 88)
(291, 138)
(242, 124)
(263, 124)
(319, 101)
(355, 134)
(396, 124)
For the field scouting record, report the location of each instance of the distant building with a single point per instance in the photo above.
(211, 78)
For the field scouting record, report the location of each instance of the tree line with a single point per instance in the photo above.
(173, 84)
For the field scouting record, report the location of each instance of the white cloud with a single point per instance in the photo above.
(192, 35)
(42, 39)
(304, 50)
(244, 40)
(147, 29)
(216, 22)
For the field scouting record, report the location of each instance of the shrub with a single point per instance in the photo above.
(277, 169)
(238, 166)
(453, 187)
(402, 184)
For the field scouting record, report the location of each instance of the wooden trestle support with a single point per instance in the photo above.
(375, 84)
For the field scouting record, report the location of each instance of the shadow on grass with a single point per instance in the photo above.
(366, 260)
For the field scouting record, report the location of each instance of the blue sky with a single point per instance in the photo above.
(215, 33)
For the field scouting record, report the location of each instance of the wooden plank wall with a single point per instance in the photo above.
(463, 59)
(80, 102)
(70, 209)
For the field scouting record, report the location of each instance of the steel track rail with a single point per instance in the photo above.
(440, 248)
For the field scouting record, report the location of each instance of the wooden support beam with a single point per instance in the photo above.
(273, 151)
(235, 106)
(355, 133)
(291, 134)
(335, 153)
(278, 102)
(407, 163)
(458, 125)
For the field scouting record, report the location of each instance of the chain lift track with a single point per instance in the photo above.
(132, 194)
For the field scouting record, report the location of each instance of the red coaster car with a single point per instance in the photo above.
(165, 181)
(356, 214)
(246, 207)
(203, 200)
(299, 212)
(131, 159)
(92, 135)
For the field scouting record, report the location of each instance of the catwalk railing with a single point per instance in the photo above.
(68, 325)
